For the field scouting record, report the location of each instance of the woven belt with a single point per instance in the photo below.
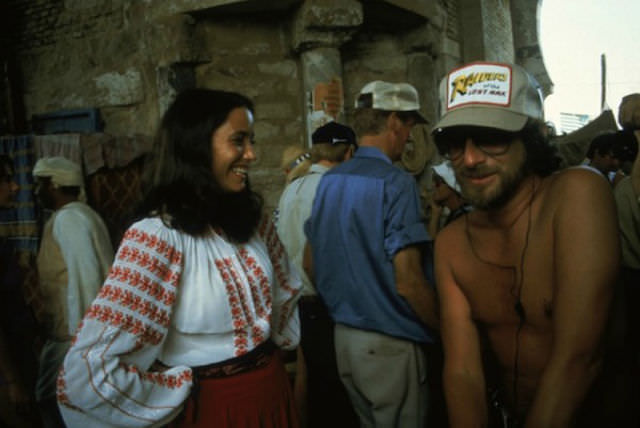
(254, 359)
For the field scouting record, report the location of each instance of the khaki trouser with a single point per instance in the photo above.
(385, 377)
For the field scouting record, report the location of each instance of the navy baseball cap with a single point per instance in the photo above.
(334, 133)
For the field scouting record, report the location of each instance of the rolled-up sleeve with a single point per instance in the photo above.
(405, 225)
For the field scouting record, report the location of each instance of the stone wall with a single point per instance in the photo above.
(129, 58)
(264, 68)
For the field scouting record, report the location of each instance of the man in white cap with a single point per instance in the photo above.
(526, 279)
(365, 236)
(446, 194)
(74, 258)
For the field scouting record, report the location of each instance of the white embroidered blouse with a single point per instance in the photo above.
(183, 300)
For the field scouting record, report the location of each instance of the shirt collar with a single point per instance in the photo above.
(372, 152)
(316, 167)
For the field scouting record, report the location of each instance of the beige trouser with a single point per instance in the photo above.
(386, 378)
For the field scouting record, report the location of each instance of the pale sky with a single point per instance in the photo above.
(573, 35)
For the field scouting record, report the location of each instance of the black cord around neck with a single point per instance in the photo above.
(516, 288)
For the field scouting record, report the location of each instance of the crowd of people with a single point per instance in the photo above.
(508, 301)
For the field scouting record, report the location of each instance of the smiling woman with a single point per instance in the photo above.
(186, 328)
(232, 150)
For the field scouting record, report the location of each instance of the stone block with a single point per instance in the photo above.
(172, 39)
(265, 130)
(325, 23)
(119, 88)
(287, 69)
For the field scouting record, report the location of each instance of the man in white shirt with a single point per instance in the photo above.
(74, 259)
(332, 144)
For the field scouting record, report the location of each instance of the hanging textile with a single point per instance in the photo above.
(20, 224)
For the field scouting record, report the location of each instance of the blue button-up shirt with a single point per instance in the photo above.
(364, 212)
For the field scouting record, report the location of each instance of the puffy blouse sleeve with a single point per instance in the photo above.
(285, 322)
(106, 378)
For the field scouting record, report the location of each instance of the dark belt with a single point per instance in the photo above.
(253, 359)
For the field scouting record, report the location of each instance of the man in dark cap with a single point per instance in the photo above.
(332, 144)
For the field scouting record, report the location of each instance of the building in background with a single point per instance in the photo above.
(570, 122)
(297, 59)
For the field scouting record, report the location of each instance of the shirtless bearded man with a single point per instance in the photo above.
(526, 279)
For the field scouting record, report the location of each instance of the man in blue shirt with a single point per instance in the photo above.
(365, 237)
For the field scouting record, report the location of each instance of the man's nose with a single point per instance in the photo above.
(471, 154)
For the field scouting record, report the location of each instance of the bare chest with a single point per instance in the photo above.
(507, 276)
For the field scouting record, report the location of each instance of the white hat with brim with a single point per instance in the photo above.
(388, 96)
(445, 171)
(493, 95)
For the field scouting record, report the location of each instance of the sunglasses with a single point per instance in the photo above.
(451, 142)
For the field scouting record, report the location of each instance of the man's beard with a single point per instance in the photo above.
(509, 181)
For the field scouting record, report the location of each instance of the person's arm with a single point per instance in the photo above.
(434, 220)
(307, 261)
(463, 375)
(586, 256)
(106, 374)
(285, 322)
(412, 285)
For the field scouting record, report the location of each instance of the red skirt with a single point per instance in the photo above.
(259, 398)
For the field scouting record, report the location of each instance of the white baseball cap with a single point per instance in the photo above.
(388, 96)
(488, 94)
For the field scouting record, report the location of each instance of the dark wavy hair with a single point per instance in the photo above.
(542, 157)
(178, 182)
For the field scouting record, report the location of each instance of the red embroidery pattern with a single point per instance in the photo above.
(108, 315)
(241, 342)
(61, 391)
(277, 255)
(75, 336)
(143, 283)
(244, 323)
(258, 282)
(153, 242)
(260, 288)
(135, 303)
(151, 264)
(237, 301)
(161, 379)
(279, 261)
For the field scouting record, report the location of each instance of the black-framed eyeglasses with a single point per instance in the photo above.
(451, 142)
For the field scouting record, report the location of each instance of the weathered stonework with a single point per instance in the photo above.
(130, 58)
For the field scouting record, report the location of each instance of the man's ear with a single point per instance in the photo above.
(393, 121)
(350, 152)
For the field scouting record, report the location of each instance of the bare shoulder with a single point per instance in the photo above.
(451, 237)
(577, 179)
(573, 185)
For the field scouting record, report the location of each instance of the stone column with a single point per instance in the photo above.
(320, 27)
(525, 16)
